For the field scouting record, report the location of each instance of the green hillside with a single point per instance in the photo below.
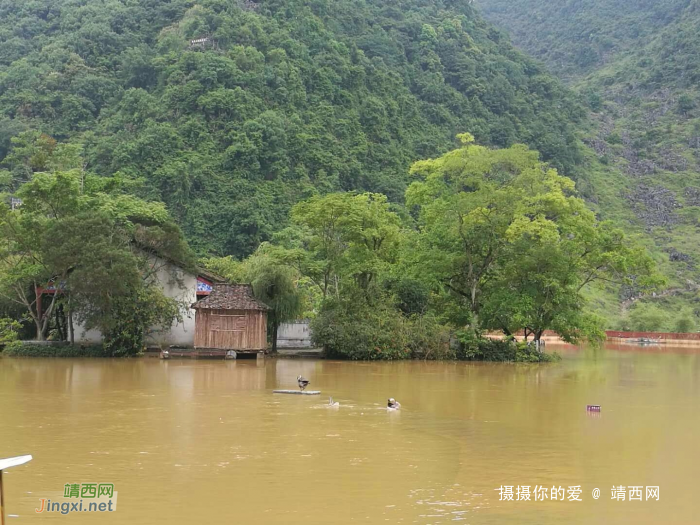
(636, 66)
(273, 102)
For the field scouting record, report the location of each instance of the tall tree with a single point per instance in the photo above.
(275, 285)
(341, 239)
(97, 248)
(507, 234)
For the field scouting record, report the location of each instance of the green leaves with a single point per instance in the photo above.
(284, 102)
(503, 233)
(345, 236)
(96, 246)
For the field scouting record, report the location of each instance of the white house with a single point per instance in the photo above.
(179, 284)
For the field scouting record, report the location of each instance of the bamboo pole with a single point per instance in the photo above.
(2, 503)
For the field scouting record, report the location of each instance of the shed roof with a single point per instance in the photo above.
(230, 297)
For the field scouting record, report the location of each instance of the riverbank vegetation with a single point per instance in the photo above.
(92, 245)
(37, 349)
(489, 240)
(635, 66)
(281, 144)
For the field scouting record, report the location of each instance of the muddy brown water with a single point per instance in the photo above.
(207, 442)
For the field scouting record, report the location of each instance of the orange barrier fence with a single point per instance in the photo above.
(613, 334)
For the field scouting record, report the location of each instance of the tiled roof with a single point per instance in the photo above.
(230, 297)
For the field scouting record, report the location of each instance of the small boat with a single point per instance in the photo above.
(298, 392)
(648, 341)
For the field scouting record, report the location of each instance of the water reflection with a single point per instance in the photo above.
(208, 442)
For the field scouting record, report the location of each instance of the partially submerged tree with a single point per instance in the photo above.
(507, 235)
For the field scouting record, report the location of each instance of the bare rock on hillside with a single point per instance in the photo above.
(655, 205)
(679, 257)
(692, 196)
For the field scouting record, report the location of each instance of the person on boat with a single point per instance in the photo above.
(393, 404)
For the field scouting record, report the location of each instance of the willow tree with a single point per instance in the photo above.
(275, 285)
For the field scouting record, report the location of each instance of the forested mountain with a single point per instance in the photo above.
(230, 111)
(636, 65)
(576, 37)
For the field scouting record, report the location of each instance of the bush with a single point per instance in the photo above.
(428, 339)
(648, 318)
(353, 329)
(685, 325)
(9, 330)
(131, 318)
(472, 348)
(530, 354)
(34, 349)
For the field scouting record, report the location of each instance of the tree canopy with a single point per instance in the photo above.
(510, 241)
(283, 100)
(95, 248)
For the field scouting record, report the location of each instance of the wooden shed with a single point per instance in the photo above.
(231, 318)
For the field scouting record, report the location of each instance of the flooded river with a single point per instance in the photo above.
(207, 442)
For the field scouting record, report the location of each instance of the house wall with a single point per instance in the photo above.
(294, 335)
(231, 329)
(176, 284)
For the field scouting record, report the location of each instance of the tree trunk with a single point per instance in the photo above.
(61, 335)
(70, 322)
(44, 318)
(39, 330)
(275, 328)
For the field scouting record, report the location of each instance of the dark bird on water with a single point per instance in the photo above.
(303, 383)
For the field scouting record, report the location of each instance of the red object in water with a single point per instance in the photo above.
(593, 408)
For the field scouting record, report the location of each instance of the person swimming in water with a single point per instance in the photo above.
(393, 404)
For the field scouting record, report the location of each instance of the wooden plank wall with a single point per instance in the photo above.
(231, 329)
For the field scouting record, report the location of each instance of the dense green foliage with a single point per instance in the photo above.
(99, 248)
(636, 64)
(9, 330)
(286, 99)
(508, 238)
(577, 37)
(286, 129)
(504, 350)
(497, 240)
(29, 349)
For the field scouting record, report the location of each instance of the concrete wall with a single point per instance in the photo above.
(294, 335)
(176, 284)
(181, 286)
